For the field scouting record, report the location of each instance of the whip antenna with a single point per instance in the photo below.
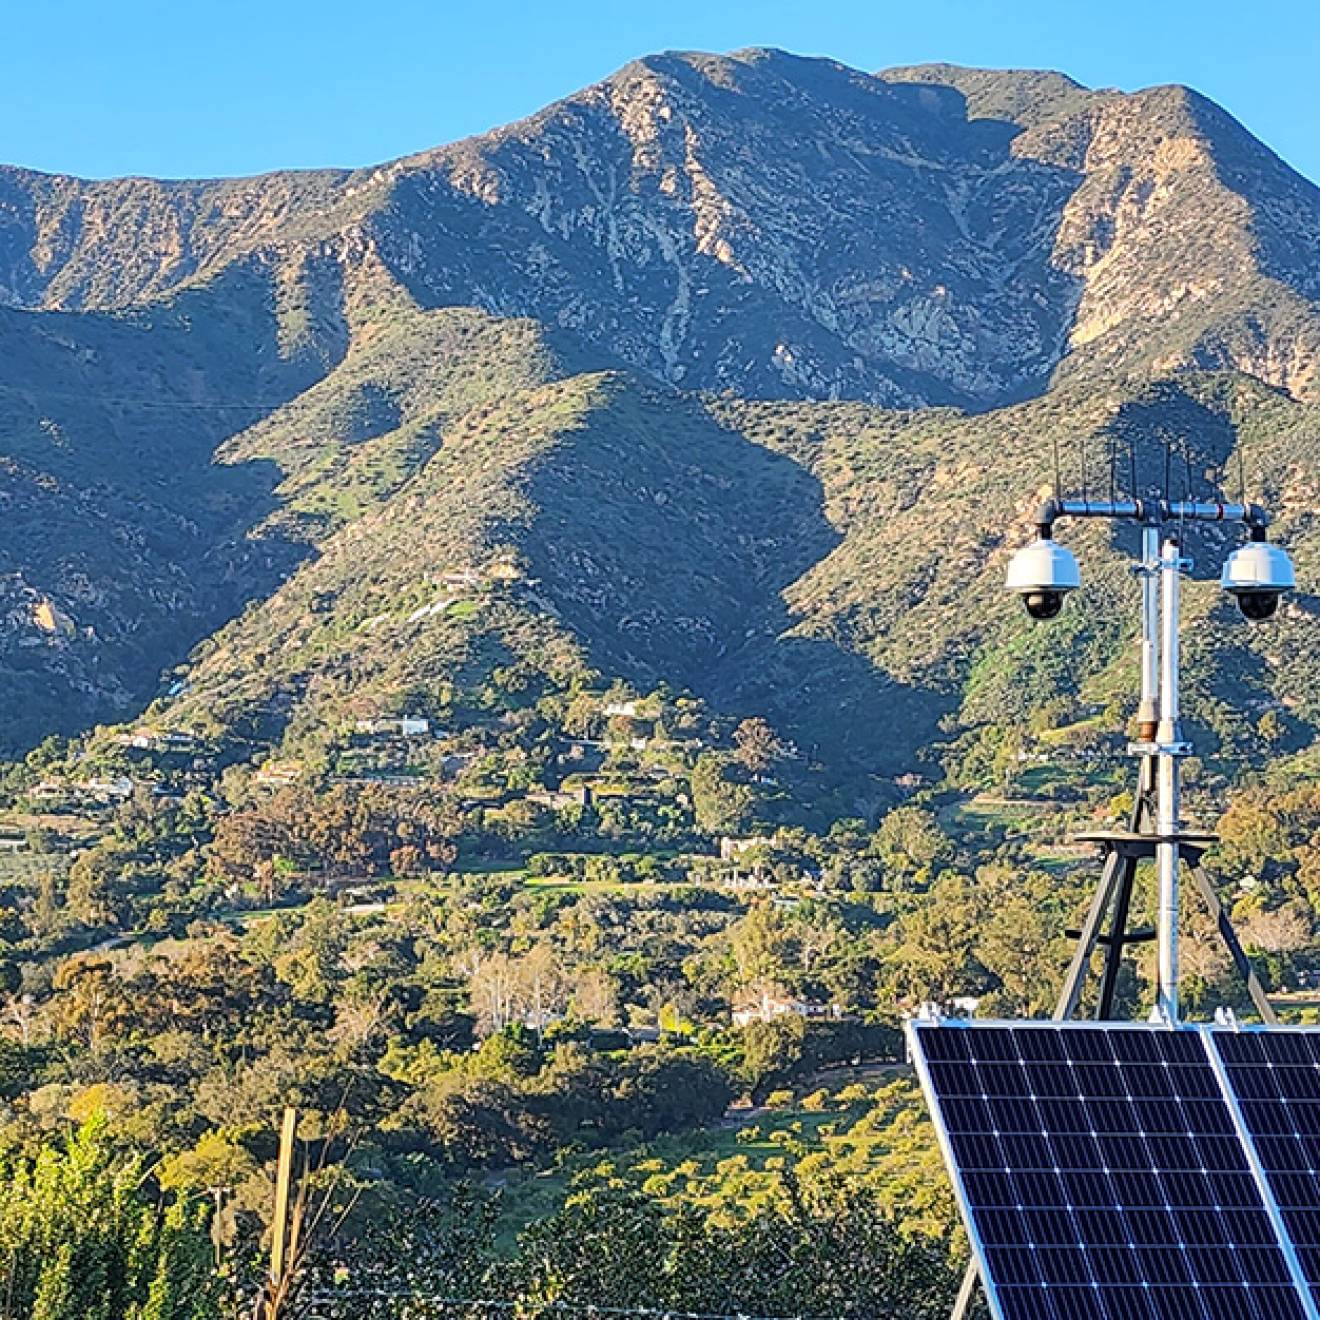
(1189, 497)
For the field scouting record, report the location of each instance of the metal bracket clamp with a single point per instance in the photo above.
(1161, 748)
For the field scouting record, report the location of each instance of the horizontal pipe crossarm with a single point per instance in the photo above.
(1153, 512)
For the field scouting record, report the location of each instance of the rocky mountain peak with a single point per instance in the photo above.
(668, 345)
(773, 224)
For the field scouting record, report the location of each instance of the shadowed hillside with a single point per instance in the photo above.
(653, 369)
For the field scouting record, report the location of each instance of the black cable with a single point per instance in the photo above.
(502, 1304)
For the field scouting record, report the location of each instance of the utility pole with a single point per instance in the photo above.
(1170, 749)
(283, 1239)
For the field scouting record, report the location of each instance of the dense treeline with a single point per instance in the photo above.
(563, 968)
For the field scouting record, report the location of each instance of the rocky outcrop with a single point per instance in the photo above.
(772, 225)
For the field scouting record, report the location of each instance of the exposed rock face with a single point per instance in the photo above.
(226, 394)
(777, 226)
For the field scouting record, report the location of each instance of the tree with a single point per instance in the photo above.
(595, 997)
(1019, 945)
(771, 1052)
(479, 1122)
(544, 989)
(79, 1237)
(90, 1003)
(762, 946)
(722, 804)
(758, 749)
(408, 860)
(215, 1167)
(934, 956)
(95, 886)
(661, 1090)
(910, 842)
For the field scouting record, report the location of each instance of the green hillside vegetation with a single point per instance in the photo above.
(505, 652)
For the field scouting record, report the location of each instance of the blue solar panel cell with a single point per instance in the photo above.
(1103, 1174)
(1275, 1075)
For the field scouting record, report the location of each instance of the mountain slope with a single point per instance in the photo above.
(781, 226)
(835, 568)
(123, 542)
(640, 387)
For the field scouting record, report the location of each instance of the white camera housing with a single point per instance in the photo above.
(1043, 573)
(1256, 575)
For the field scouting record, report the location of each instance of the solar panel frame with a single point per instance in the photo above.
(1274, 1075)
(1183, 1229)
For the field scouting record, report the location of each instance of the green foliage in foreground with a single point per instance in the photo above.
(835, 1219)
(826, 1250)
(81, 1240)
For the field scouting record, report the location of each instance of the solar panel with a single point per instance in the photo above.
(1275, 1075)
(1103, 1175)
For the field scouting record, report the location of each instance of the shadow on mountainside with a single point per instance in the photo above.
(666, 542)
(1169, 442)
(128, 542)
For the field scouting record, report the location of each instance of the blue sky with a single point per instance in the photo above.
(199, 87)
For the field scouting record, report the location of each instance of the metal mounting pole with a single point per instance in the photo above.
(1155, 827)
(1170, 751)
(1148, 712)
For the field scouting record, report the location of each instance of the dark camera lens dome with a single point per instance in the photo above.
(1258, 605)
(1043, 604)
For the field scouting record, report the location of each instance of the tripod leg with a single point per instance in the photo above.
(1117, 930)
(1072, 985)
(1143, 806)
(963, 1306)
(1229, 936)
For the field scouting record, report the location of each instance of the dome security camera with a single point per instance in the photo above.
(1256, 575)
(1042, 574)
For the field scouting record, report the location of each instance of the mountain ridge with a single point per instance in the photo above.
(853, 288)
(682, 220)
